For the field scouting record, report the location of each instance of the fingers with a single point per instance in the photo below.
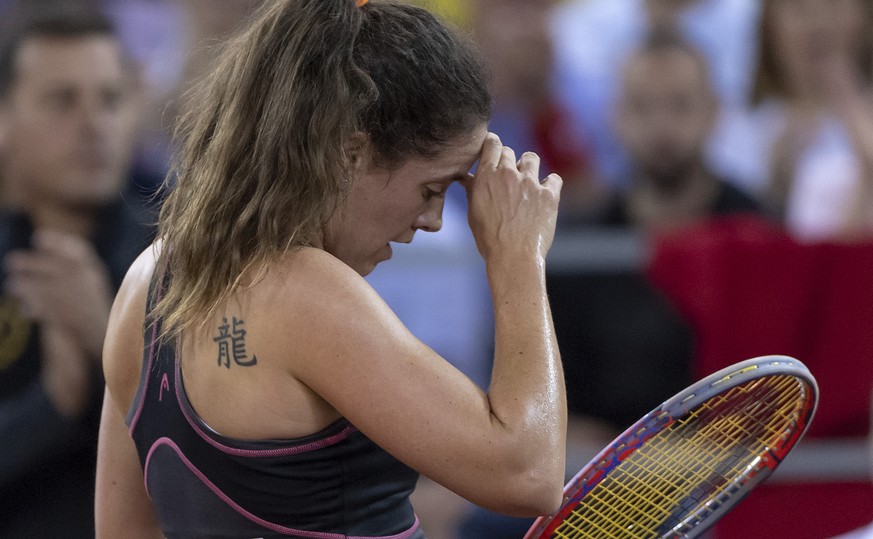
(68, 246)
(491, 152)
(59, 278)
(495, 155)
(507, 159)
(54, 254)
(31, 263)
(529, 164)
(33, 302)
(553, 181)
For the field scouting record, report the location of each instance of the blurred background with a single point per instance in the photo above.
(718, 205)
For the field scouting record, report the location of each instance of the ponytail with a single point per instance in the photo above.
(263, 158)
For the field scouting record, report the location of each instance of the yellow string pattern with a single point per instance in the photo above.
(689, 469)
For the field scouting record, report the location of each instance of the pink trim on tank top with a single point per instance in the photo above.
(295, 450)
(257, 520)
(145, 374)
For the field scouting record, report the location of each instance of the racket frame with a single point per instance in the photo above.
(668, 413)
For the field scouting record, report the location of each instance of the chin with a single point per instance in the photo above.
(367, 267)
(363, 271)
(362, 267)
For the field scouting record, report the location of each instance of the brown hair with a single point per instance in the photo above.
(264, 158)
(769, 75)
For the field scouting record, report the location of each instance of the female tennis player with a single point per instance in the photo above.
(257, 386)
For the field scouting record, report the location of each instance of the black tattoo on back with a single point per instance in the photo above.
(231, 341)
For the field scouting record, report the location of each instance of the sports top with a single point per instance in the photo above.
(333, 484)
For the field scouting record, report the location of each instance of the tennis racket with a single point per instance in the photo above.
(687, 463)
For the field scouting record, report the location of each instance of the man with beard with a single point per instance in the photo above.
(625, 347)
(67, 121)
(665, 115)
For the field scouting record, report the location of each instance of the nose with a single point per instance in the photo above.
(97, 116)
(91, 120)
(431, 219)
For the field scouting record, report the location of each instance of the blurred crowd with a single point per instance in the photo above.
(718, 205)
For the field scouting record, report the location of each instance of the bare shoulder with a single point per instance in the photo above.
(318, 300)
(317, 280)
(122, 349)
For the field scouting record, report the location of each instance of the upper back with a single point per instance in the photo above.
(243, 354)
(222, 449)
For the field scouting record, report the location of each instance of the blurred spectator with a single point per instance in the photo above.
(809, 140)
(209, 23)
(593, 38)
(174, 42)
(67, 116)
(625, 348)
(154, 33)
(528, 115)
(666, 113)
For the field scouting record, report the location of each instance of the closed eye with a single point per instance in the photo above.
(430, 194)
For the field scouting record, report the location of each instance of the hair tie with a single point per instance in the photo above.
(360, 3)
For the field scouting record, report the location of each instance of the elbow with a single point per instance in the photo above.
(543, 498)
(534, 486)
(528, 496)
(552, 500)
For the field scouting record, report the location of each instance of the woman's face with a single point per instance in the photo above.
(813, 37)
(390, 205)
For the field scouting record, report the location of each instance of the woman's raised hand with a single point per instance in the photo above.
(512, 213)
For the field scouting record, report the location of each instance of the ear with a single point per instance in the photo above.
(358, 152)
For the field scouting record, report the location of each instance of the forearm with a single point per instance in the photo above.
(527, 394)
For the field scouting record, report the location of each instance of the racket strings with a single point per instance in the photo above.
(687, 470)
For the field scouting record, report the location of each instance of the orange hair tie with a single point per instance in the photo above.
(360, 3)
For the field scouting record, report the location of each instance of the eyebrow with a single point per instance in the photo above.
(448, 180)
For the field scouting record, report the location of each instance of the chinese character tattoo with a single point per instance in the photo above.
(231, 341)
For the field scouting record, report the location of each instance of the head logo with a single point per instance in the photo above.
(165, 384)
